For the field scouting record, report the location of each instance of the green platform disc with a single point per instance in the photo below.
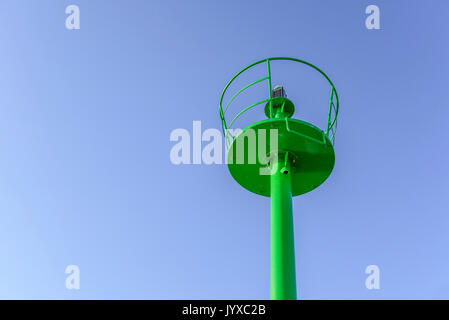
(311, 152)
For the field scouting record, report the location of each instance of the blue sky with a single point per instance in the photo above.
(86, 178)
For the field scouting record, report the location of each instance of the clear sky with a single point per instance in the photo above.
(86, 178)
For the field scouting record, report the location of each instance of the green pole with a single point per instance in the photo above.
(283, 275)
(284, 181)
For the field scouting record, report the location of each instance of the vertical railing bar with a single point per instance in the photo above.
(330, 110)
(269, 88)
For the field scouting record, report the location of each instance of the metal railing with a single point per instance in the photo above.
(331, 126)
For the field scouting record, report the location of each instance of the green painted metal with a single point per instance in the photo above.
(310, 149)
(279, 108)
(299, 160)
(333, 107)
(270, 93)
(282, 271)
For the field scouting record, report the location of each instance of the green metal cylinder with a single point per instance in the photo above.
(283, 274)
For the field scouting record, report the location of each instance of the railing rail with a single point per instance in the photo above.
(331, 126)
